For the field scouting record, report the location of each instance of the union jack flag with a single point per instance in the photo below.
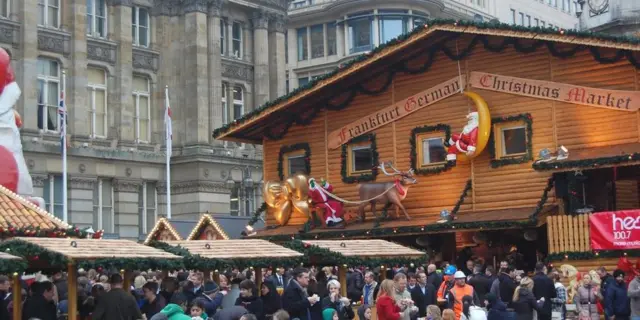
(62, 112)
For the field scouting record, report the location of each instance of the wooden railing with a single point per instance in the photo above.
(568, 233)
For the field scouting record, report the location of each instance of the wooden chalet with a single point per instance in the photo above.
(208, 227)
(564, 134)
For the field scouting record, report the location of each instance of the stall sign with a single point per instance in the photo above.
(615, 230)
(603, 98)
(395, 111)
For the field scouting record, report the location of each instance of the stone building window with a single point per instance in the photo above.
(236, 30)
(5, 8)
(49, 13)
(147, 206)
(234, 201)
(332, 43)
(360, 28)
(392, 23)
(53, 196)
(303, 81)
(317, 41)
(48, 94)
(140, 26)
(238, 102)
(97, 18)
(303, 50)
(225, 110)
(223, 31)
(97, 90)
(419, 18)
(142, 101)
(103, 216)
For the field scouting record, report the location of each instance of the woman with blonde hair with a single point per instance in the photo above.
(386, 305)
(524, 302)
(433, 312)
(587, 297)
(448, 314)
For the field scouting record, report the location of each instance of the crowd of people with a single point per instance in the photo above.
(472, 292)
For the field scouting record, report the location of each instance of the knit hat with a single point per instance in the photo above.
(459, 275)
(618, 273)
(210, 287)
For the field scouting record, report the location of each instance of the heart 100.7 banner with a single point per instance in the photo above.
(615, 230)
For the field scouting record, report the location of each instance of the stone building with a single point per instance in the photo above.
(321, 34)
(217, 59)
(616, 17)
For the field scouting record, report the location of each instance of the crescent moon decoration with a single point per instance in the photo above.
(484, 125)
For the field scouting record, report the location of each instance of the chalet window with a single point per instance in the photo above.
(294, 159)
(296, 163)
(431, 149)
(511, 140)
(360, 156)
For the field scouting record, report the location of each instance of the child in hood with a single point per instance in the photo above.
(197, 310)
(174, 310)
(329, 314)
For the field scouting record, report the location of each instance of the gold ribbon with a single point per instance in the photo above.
(287, 196)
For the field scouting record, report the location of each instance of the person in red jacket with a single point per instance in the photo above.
(386, 305)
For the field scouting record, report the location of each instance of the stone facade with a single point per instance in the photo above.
(615, 17)
(116, 155)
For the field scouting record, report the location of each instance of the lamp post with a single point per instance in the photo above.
(247, 183)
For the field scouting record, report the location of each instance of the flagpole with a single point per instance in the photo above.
(169, 147)
(63, 129)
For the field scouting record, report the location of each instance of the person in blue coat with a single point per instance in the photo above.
(211, 298)
(497, 308)
(616, 300)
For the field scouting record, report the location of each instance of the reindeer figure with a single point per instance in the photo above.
(396, 191)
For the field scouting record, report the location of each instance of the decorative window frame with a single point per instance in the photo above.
(347, 176)
(283, 161)
(497, 124)
(416, 149)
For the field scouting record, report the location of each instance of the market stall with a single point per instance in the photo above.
(49, 254)
(13, 267)
(441, 127)
(213, 256)
(208, 227)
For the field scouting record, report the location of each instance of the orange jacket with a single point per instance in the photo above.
(458, 293)
(443, 286)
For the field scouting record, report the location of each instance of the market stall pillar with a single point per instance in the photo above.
(216, 277)
(72, 281)
(383, 273)
(258, 272)
(126, 280)
(17, 296)
(342, 276)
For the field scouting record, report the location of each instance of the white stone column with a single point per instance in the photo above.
(277, 63)
(126, 213)
(229, 35)
(325, 43)
(247, 44)
(293, 48)
(261, 61)
(196, 82)
(27, 72)
(376, 29)
(215, 67)
(123, 108)
(340, 42)
(230, 87)
(345, 27)
(77, 97)
(309, 49)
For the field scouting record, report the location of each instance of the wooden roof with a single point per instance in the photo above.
(18, 212)
(88, 249)
(205, 220)
(617, 155)
(6, 256)
(513, 215)
(373, 248)
(252, 127)
(162, 224)
(235, 249)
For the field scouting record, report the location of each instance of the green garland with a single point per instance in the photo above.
(197, 262)
(587, 163)
(528, 156)
(8, 267)
(294, 147)
(589, 255)
(315, 255)
(37, 232)
(463, 196)
(413, 154)
(346, 178)
(256, 215)
(434, 22)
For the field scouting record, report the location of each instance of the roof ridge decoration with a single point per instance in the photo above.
(626, 47)
(206, 217)
(16, 197)
(162, 222)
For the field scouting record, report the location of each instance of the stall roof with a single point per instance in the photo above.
(301, 103)
(235, 249)
(373, 248)
(227, 226)
(589, 158)
(87, 249)
(20, 213)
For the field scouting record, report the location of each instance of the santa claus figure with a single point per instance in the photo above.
(466, 141)
(13, 172)
(333, 213)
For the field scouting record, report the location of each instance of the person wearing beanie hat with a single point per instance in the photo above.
(616, 300)
(211, 297)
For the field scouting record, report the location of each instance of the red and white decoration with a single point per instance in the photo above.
(466, 141)
(333, 209)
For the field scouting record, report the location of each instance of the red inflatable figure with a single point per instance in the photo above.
(333, 210)
(466, 141)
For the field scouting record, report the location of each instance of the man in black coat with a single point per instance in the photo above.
(481, 283)
(543, 287)
(423, 294)
(295, 299)
(433, 277)
(506, 285)
(40, 304)
(355, 283)
(117, 304)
